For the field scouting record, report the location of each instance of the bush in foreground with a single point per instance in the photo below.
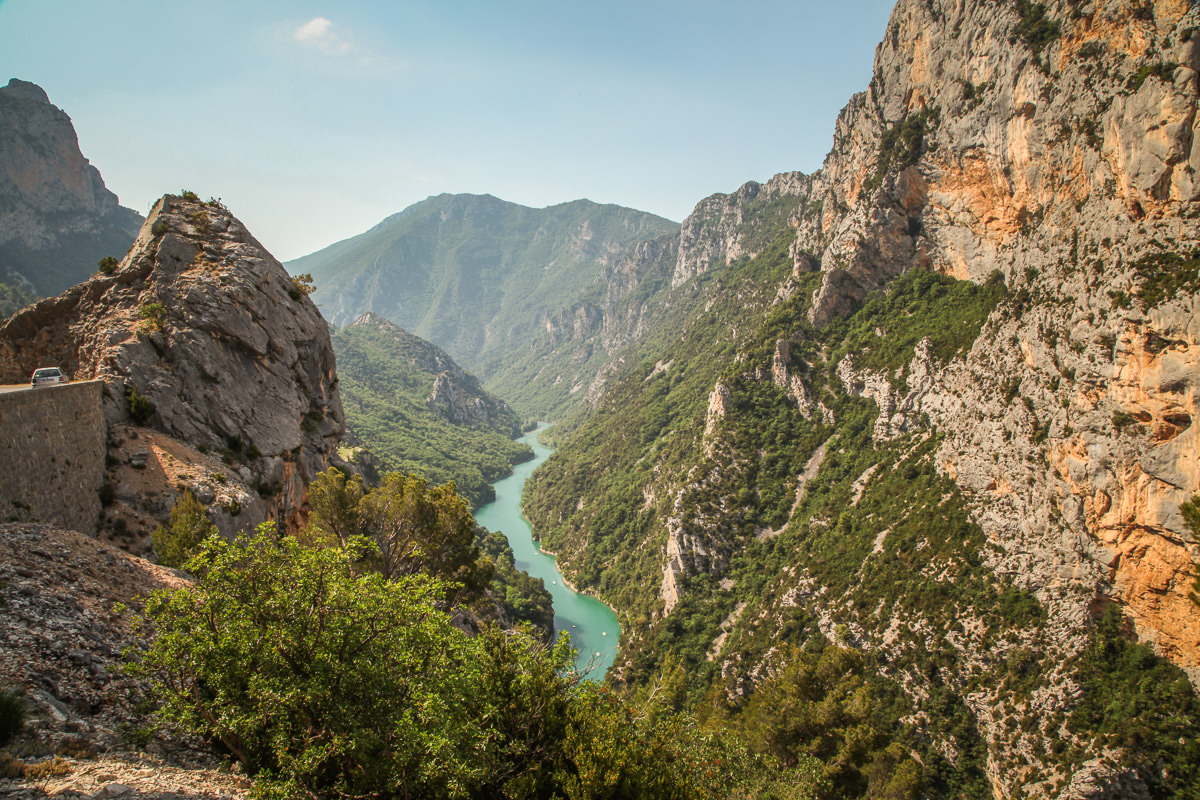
(322, 681)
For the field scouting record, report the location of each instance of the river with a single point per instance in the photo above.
(592, 624)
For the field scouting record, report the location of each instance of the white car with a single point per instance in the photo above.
(47, 376)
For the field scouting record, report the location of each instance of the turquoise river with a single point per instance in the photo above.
(592, 624)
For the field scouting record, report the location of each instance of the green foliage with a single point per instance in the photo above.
(831, 707)
(140, 408)
(386, 377)
(12, 300)
(200, 219)
(1191, 515)
(321, 680)
(902, 145)
(520, 597)
(12, 713)
(1141, 706)
(107, 265)
(302, 286)
(151, 316)
(1034, 27)
(1122, 420)
(189, 525)
(919, 304)
(189, 196)
(1165, 276)
(159, 227)
(1164, 71)
(415, 527)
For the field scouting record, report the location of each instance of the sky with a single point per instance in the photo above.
(313, 121)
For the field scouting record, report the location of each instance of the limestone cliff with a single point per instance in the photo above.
(1049, 147)
(1060, 153)
(1058, 147)
(57, 219)
(204, 341)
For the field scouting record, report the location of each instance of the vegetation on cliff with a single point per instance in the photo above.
(388, 380)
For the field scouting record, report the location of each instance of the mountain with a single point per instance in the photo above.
(898, 470)
(57, 219)
(218, 372)
(493, 283)
(421, 412)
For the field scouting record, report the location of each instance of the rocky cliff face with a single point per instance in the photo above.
(1060, 150)
(57, 219)
(201, 337)
(1049, 146)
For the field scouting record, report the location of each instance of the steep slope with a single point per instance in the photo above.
(57, 219)
(421, 412)
(488, 281)
(946, 424)
(219, 359)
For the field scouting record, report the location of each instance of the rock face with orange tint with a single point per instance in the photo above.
(226, 353)
(1056, 158)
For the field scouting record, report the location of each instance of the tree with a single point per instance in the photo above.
(189, 526)
(315, 678)
(417, 528)
(333, 500)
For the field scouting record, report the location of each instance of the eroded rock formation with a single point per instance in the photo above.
(201, 335)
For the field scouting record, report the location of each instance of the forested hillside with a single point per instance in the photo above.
(420, 412)
(907, 488)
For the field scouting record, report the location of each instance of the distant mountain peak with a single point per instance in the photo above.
(57, 218)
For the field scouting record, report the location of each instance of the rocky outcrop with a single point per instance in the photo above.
(201, 335)
(57, 219)
(455, 395)
(62, 645)
(715, 233)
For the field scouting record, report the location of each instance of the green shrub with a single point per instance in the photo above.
(107, 493)
(323, 681)
(1165, 275)
(176, 542)
(1164, 71)
(12, 713)
(107, 265)
(302, 286)
(199, 218)
(140, 408)
(190, 196)
(902, 145)
(159, 227)
(1140, 705)
(151, 316)
(1034, 28)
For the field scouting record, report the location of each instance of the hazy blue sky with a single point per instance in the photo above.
(315, 120)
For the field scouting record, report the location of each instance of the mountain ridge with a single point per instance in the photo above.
(480, 277)
(58, 218)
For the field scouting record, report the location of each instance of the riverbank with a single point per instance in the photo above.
(592, 625)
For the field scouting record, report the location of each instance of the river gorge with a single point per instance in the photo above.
(591, 624)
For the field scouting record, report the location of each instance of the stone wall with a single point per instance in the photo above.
(52, 445)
